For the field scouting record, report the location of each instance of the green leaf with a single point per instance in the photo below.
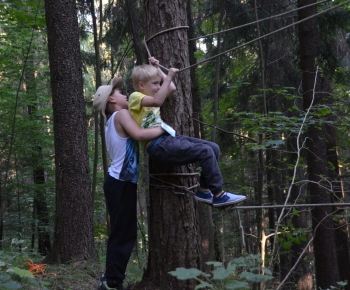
(22, 272)
(199, 54)
(274, 143)
(267, 271)
(257, 278)
(10, 285)
(185, 274)
(323, 111)
(295, 212)
(342, 283)
(235, 284)
(4, 277)
(214, 263)
(221, 273)
(204, 285)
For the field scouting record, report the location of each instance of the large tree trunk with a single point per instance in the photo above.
(74, 237)
(316, 88)
(173, 230)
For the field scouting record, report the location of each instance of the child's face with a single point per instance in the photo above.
(151, 87)
(120, 99)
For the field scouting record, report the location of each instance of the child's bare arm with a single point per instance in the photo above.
(126, 126)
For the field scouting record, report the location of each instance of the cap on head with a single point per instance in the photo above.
(102, 94)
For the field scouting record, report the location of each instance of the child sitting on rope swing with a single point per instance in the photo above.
(152, 86)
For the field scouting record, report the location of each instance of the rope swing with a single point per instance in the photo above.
(188, 190)
(184, 190)
(249, 42)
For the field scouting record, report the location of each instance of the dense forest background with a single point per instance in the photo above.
(269, 81)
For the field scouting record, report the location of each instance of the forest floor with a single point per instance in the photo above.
(86, 276)
(77, 275)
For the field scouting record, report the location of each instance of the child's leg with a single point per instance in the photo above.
(121, 199)
(216, 150)
(181, 150)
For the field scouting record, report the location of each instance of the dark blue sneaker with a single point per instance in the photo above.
(227, 198)
(204, 196)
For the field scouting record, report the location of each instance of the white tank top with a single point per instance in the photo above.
(124, 154)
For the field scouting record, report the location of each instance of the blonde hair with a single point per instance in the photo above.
(144, 73)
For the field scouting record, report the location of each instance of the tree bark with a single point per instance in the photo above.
(73, 238)
(173, 231)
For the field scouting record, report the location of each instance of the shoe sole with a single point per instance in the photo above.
(229, 202)
(203, 200)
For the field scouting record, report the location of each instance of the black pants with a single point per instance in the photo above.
(182, 150)
(121, 199)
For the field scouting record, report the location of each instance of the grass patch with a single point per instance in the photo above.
(75, 276)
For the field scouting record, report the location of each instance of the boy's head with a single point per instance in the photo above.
(102, 94)
(144, 73)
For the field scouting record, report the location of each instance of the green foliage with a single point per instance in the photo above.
(14, 277)
(22, 13)
(6, 282)
(185, 274)
(341, 285)
(240, 273)
(240, 110)
(291, 235)
(26, 134)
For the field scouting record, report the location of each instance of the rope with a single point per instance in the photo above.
(163, 31)
(149, 55)
(222, 130)
(291, 205)
(175, 174)
(254, 40)
(266, 35)
(188, 190)
(174, 186)
(258, 21)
